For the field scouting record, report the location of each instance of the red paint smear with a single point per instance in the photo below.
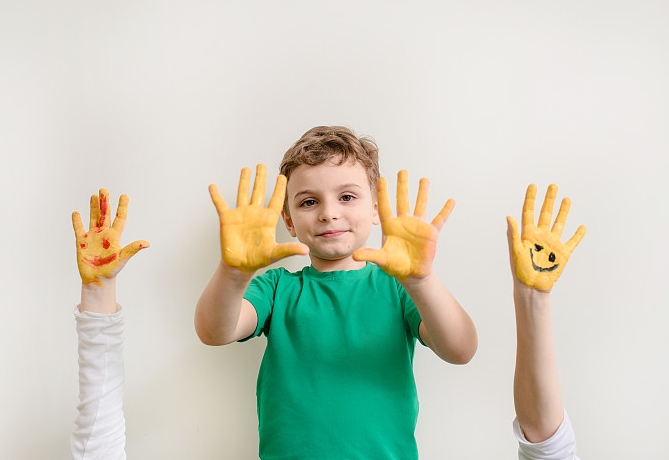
(83, 245)
(100, 261)
(105, 243)
(104, 209)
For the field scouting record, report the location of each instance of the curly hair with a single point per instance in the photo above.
(337, 144)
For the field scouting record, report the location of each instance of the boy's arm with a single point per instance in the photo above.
(537, 396)
(100, 423)
(248, 243)
(408, 250)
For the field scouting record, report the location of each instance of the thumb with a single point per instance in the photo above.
(133, 248)
(283, 250)
(375, 256)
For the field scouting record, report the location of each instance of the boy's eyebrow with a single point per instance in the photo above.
(349, 186)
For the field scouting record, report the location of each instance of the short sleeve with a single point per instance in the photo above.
(261, 294)
(411, 315)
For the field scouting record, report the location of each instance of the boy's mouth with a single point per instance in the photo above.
(331, 233)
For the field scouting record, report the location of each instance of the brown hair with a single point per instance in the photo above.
(332, 143)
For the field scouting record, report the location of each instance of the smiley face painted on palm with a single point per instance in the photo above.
(538, 255)
(543, 267)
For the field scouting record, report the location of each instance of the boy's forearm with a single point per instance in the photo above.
(450, 332)
(218, 310)
(537, 397)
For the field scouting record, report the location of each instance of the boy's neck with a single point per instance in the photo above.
(346, 263)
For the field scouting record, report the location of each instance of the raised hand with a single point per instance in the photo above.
(99, 252)
(248, 232)
(409, 242)
(538, 255)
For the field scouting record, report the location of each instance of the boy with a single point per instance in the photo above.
(336, 380)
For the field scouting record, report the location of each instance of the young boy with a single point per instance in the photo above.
(336, 380)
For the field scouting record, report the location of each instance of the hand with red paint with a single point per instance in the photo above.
(248, 232)
(99, 252)
(409, 242)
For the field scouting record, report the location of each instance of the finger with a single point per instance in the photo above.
(216, 198)
(512, 233)
(376, 256)
(279, 194)
(103, 218)
(385, 209)
(78, 226)
(258, 196)
(576, 239)
(121, 214)
(243, 188)
(561, 218)
(441, 218)
(402, 193)
(513, 239)
(94, 215)
(528, 206)
(421, 199)
(283, 250)
(132, 249)
(547, 207)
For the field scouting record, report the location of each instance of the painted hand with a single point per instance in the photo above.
(409, 242)
(99, 253)
(538, 255)
(248, 232)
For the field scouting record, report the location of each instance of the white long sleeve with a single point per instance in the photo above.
(99, 432)
(560, 446)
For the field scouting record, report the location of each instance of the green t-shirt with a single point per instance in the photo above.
(336, 380)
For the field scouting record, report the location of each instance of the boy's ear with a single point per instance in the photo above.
(376, 220)
(289, 223)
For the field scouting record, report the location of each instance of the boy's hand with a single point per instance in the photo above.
(538, 256)
(248, 232)
(99, 253)
(409, 242)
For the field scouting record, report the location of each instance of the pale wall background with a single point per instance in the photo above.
(157, 99)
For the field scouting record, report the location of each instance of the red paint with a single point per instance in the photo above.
(105, 243)
(104, 209)
(83, 245)
(98, 261)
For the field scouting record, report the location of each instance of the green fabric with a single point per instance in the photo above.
(336, 380)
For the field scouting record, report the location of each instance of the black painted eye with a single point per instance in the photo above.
(538, 247)
(552, 257)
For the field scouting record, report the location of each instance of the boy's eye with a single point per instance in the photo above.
(307, 203)
(347, 198)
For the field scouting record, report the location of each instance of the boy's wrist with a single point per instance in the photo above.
(234, 274)
(414, 282)
(99, 298)
(525, 296)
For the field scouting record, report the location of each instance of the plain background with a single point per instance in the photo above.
(158, 99)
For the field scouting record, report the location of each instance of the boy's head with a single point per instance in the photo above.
(336, 144)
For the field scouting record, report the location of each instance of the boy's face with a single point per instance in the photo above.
(332, 211)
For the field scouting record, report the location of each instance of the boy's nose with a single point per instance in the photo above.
(327, 213)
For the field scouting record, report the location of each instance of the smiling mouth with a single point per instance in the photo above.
(541, 269)
(332, 233)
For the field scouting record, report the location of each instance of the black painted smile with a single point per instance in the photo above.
(542, 269)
